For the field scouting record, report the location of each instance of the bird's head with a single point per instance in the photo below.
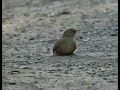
(70, 33)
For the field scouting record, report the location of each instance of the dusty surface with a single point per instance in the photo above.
(30, 29)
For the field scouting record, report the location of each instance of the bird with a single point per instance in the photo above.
(66, 45)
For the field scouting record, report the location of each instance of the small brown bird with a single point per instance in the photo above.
(66, 45)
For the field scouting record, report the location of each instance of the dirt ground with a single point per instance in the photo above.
(30, 29)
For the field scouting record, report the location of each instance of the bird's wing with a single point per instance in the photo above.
(56, 45)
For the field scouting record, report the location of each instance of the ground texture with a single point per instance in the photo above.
(30, 29)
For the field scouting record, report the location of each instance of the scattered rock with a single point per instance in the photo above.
(15, 72)
(32, 38)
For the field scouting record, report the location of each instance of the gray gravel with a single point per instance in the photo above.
(30, 29)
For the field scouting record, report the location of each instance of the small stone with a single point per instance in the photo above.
(64, 13)
(12, 83)
(113, 34)
(18, 56)
(32, 38)
(15, 72)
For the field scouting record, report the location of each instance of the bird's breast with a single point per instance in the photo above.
(67, 47)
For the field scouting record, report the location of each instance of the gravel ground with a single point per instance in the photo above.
(30, 29)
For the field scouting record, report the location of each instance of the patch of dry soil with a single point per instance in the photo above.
(30, 29)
